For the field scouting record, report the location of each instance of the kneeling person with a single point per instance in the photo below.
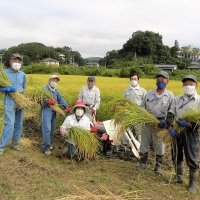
(77, 119)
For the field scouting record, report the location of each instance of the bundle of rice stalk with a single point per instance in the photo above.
(131, 115)
(86, 142)
(192, 116)
(40, 94)
(128, 114)
(22, 102)
(165, 136)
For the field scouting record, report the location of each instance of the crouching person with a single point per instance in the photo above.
(48, 116)
(77, 119)
(187, 142)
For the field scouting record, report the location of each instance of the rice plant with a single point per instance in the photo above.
(22, 102)
(128, 114)
(41, 94)
(86, 142)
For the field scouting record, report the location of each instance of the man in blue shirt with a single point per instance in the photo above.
(13, 116)
(48, 116)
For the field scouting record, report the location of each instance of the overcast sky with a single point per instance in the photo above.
(94, 27)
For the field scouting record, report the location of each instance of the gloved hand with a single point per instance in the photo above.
(172, 132)
(94, 130)
(63, 131)
(93, 112)
(162, 123)
(68, 109)
(9, 89)
(183, 123)
(104, 137)
(51, 102)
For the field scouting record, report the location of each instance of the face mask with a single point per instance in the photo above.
(16, 66)
(189, 89)
(134, 83)
(161, 85)
(53, 84)
(79, 112)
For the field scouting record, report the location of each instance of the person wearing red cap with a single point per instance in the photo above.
(77, 119)
(90, 95)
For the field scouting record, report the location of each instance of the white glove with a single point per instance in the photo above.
(63, 130)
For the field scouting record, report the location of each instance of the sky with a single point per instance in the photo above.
(94, 27)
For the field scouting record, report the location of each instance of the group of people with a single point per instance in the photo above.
(160, 102)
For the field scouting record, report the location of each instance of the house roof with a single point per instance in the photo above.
(194, 67)
(166, 66)
(49, 60)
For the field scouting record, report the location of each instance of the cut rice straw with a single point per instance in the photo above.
(22, 102)
(86, 142)
(41, 94)
(128, 114)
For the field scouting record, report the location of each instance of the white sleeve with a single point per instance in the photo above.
(80, 97)
(66, 123)
(97, 102)
(86, 123)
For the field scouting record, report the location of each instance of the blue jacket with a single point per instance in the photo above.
(56, 96)
(18, 79)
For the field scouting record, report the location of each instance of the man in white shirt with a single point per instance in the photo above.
(77, 119)
(90, 95)
(135, 94)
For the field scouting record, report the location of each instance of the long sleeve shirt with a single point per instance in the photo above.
(17, 79)
(90, 97)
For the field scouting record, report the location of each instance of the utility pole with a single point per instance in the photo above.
(73, 59)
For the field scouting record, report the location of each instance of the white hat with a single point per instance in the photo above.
(54, 76)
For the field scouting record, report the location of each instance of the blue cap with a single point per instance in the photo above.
(91, 78)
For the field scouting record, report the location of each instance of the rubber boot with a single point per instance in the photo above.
(159, 161)
(178, 178)
(193, 180)
(143, 162)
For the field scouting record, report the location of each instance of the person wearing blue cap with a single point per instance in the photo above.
(159, 102)
(187, 142)
(90, 95)
(13, 116)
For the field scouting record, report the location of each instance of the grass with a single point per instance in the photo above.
(32, 175)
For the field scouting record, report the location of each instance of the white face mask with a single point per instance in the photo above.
(53, 84)
(16, 66)
(79, 112)
(189, 89)
(134, 83)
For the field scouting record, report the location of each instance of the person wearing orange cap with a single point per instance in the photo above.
(48, 116)
(77, 119)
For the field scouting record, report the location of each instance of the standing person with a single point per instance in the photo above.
(159, 103)
(135, 94)
(48, 116)
(90, 95)
(187, 141)
(77, 119)
(13, 116)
